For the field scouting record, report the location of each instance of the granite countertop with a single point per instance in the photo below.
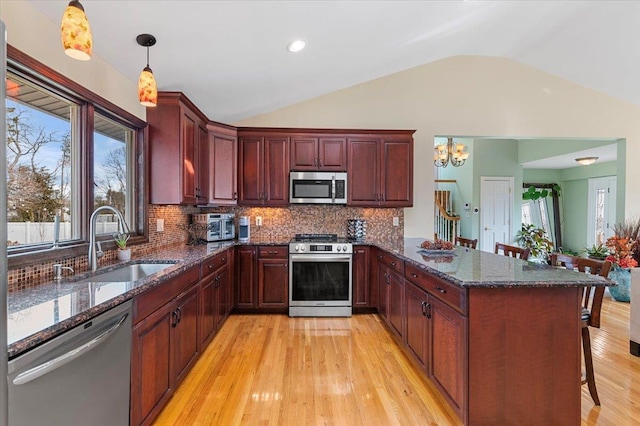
(38, 314)
(474, 268)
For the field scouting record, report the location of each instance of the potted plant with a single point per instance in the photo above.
(536, 240)
(621, 255)
(597, 251)
(121, 239)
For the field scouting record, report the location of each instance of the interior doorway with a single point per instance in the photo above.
(601, 209)
(496, 209)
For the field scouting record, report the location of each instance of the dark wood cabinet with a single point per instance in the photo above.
(391, 291)
(246, 270)
(380, 170)
(362, 294)
(177, 151)
(273, 283)
(263, 169)
(215, 299)
(165, 343)
(396, 302)
(447, 366)
(314, 152)
(418, 332)
(223, 165)
(202, 166)
(383, 290)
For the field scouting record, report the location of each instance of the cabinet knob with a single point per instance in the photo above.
(393, 263)
(414, 275)
(441, 290)
(210, 267)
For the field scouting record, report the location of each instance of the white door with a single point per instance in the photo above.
(601, 212)
(496, 208)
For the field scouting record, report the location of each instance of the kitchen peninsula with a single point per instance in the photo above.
(497, 336)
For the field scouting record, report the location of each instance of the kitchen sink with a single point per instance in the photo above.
(131, 272)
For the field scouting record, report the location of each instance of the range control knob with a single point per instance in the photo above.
(344, 248)
(339, 248)
(302, 248)
(297, 248)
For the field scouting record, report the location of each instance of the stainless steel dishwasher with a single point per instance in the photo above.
(78, 378)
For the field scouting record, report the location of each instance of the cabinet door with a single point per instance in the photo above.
(361, 293)
(448, 362)
(276, 171)
(332, 154)
(304, 153)
(222, 296)
(246, 277)
(189, 135)
(364, 172)
(250, 171)
(207, 309)
(417, 335)
(202, 166)
(151, 376)
(396, 183)
(273, 283)
(184, 340)
(223, 159)
(383, 290)
(396, 302)
(231, 272)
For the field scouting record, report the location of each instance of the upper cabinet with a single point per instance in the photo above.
(223, 164)
(380, 168)
(313, 152)
(178, 151)
(263, 169)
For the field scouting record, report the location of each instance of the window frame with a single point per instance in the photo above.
(89, 103)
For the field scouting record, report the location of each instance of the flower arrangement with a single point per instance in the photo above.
(621, 252)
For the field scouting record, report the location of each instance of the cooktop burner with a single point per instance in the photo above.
(316, 238)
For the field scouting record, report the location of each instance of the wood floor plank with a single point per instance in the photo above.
(276, 370)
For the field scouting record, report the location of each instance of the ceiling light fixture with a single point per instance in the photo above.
(454, 153)
(147, 87)
(585, 161)
(296, 46)
(75, 32)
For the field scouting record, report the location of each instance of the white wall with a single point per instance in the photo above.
(469, 96)
(31, 32)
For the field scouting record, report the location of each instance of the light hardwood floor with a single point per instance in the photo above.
(275, 370)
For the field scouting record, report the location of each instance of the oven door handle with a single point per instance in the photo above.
(319, 257)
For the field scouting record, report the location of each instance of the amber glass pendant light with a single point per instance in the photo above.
(147, 87)
(76, 32)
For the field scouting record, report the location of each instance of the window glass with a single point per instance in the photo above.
(40, 135)
(113, 172)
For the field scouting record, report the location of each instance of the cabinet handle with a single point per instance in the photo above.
(179, 315)
(424, 308)
(273, 252)
(393, 263)
(441, 290)
(174, 319)
(224, 260)
(235, 195)
(380, 256)
(414, 275)
(320, 162)
(210, 267)
(428, 310)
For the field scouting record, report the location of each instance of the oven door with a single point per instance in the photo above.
(320, 280)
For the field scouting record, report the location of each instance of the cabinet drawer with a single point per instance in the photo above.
(273, 252)
(448, 293)
(391, 261)
(213, 263)
(149, 301)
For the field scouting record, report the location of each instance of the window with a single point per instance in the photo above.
(60, 167)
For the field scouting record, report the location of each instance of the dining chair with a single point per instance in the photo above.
(591, 307)
(512, 251)
(466, 242)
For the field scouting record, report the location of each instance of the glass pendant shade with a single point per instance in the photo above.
(75, 31)
(147, 88)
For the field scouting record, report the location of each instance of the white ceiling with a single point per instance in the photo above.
(604, 153)
(229, 57)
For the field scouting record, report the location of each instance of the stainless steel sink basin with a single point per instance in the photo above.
(133, 272)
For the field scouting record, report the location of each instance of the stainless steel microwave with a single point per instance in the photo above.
(317, 188)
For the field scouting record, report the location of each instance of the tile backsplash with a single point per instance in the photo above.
(279, 223)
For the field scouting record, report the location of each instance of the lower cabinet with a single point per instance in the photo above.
(363, 296)
(165, 344)
(396, 303)
(391, 291)
(418, 331)
(262, 280)
(215, 300)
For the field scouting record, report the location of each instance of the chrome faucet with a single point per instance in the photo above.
(122, 227)
(57, 271)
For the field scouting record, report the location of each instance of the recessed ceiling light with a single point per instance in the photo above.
(296, 46)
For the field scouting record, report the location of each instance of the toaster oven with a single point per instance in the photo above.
(220, 226)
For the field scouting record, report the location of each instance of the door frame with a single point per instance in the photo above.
(591, 207)
(511, 180)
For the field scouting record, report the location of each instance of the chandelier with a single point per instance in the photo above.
(454, 153)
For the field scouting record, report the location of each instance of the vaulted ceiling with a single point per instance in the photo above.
(229, 57)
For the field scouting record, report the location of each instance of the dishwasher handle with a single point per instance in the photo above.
(47, 367)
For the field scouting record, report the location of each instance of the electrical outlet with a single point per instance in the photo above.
(396, 221)
(258, 220)
(160, 225)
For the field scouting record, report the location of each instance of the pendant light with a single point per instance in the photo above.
(76, 32)
(147, 87)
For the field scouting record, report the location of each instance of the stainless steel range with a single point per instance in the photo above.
(320, 276)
